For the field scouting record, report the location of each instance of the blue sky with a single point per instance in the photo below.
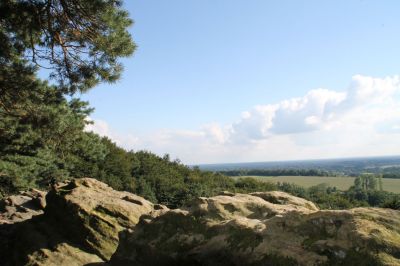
(204, 70)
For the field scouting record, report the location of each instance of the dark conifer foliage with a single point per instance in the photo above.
(79, 41)
(41, 130)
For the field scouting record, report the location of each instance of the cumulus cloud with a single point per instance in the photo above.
(366, 100)
(361, 120)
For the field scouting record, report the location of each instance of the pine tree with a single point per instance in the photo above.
(79, 41)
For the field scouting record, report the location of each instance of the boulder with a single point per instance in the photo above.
(81, 224)
(85, 222)
(268, 228)
(18, 208)
(93, 214)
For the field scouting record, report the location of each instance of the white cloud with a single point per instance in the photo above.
(362, 120)
(367, 100)
(98, 126)
(102, 128)
(215, 133)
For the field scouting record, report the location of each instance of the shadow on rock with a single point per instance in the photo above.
(36, 241)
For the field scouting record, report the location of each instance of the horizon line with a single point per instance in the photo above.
(298, 160)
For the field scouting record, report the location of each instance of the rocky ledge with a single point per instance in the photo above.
(85, 222)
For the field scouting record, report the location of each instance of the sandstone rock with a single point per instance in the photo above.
(252, 206)
(63, 254)
(279, 197)
(80, 225)
(93, 214)
(18, 208)
(271, 228)
(37, 242)
(84, 220)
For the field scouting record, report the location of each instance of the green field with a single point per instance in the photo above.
(342, 183)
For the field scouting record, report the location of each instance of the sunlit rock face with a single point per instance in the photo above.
(264, 228)
(94, 214)
(85, 222)
(79, 223)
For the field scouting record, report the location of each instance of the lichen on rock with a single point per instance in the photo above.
(80, 224)
(263, 228)
(85, 222)
(94, 214)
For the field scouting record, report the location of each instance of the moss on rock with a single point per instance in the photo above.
(262, 229)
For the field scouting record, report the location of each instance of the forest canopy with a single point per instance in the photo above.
(42, 123)
(42, 131)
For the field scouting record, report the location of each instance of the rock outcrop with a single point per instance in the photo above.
(93, 214)
(81, 224)
(14, 210)
(85, 222)
(266, 228)
(18, 208)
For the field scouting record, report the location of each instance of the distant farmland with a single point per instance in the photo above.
(342, 183)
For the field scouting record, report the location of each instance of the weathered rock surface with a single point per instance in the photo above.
(81, 224)
(84, 221)
(18, 208)
(15, 210)
(94, 214)
(266, 228)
